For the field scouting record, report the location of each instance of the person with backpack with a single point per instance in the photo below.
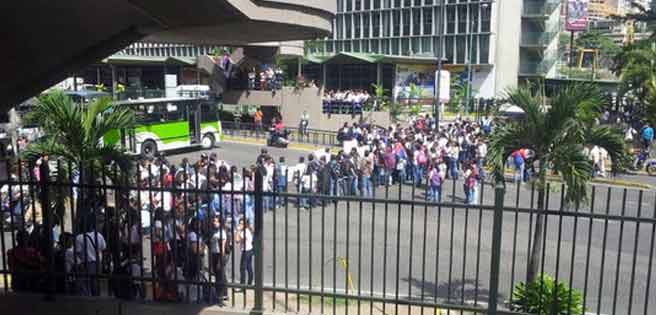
(88, 251)
(519, 158)
(435, 179)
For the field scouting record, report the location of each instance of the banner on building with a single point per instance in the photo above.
(577, 15)
(415, 82)
(445, 85)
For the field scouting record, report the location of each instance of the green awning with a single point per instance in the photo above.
(351, 58)
(143, 60)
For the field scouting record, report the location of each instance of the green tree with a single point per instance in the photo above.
(637, 69)
(557, 137)
(74, 134)
(595, 39)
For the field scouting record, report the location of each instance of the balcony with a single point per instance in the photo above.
(537, 39)
(536, 68)
(539, 9)
(138, 93)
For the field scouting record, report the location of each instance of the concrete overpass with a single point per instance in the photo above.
(45, 41)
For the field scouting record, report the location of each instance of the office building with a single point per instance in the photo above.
(504, 41)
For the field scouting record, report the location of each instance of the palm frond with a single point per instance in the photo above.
(611, 139)
(574, 167)
(506, 139)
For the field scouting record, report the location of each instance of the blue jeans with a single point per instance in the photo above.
(367, 190)
(402, 176)
(89, 286)
(480, 163)
(381, 178)
(434, 193)
(519, 172)
(249, 209)
(453, 168)
(246, 267)
(353, 185)
(419, 174)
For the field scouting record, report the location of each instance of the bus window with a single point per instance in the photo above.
(209, 113)
(174, 112)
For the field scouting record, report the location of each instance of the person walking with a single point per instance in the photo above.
(647, 134)
(435, 179)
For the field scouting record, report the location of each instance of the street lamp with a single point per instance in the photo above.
(469, 57)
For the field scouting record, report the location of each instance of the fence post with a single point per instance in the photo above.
(257, 244)
(497, 229)
(47, 217)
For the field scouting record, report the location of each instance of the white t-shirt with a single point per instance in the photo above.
(215, 241)
(88, 246)
(246, 242)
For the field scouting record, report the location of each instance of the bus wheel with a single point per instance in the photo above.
(149, 148)
(208, 141)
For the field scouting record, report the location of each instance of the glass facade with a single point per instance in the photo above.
(413, 28)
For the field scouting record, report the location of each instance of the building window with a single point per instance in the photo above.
(406, 22)
(374, 46)
(417, 3)
(340, 6)
(397, 3)
(462, 19)
(339, 46)
(416, 21)
(347, 26)
(426, 45)
(357, 26)
(376, 24)
(473, 49)
(407, 3)
(376, 4)
(450, 20)
(349, 5)
(356, 46)
(485, 18)
(428, 21)
(339, 27)
(385, 45)
(396, 22)
(448, 49)
(473, 15)
(387, 26)
(405, 46)
(416, 46)
(395, 46)
(485, 49)
(428, 2)
(461, 47)
(347, 46)
(367, 4)
(358, 5)
(365, 25)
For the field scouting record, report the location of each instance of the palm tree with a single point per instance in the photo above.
(74, 134)
(637, 70)
(557, 136)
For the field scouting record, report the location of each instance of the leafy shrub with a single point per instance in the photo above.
(538, 297)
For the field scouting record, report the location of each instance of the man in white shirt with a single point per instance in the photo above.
(88, 253)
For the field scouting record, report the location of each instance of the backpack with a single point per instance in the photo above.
(517, 158)
(436, 179)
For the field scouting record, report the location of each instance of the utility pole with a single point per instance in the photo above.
(440, 56)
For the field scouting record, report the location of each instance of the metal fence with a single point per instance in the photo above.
(308, 136)
(338, 252)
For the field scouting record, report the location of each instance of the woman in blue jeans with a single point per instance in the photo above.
(244, 240)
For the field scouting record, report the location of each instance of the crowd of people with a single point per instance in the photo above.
(269, 79)
(340, 101)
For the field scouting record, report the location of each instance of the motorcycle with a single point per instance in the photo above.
(642, 161)
(278, 139)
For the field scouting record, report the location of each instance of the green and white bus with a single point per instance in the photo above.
(169, 123)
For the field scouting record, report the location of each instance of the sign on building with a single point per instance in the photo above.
(577, 15)
(445, 85)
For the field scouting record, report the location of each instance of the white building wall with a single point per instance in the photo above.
(507, 28)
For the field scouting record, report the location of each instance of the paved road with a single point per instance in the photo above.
(444, 252)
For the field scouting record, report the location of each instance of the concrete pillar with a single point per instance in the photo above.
(300, 66)
(324, 75)
(379, 73)
(113, 68)
(97, 75)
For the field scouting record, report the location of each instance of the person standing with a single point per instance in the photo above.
(244, 239)
(435, 179)
(647, 134)
(366, 170)
(89, 247)
(257, 119)
(218, 256)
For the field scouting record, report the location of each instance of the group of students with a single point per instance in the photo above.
(419, 154)
(194, 215)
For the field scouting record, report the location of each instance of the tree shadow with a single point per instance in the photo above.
(455, 292)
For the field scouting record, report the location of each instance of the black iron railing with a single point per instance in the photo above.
(327, 247)
(295, 134)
